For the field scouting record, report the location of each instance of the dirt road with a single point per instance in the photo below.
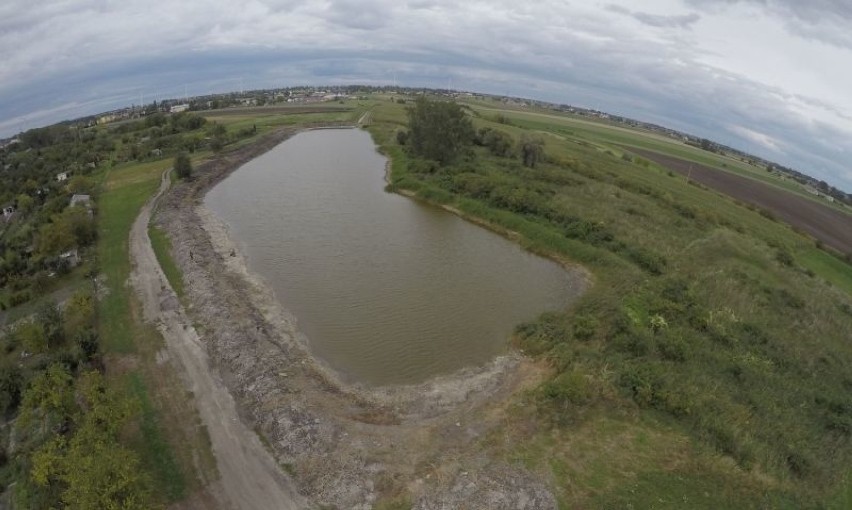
(250, 477)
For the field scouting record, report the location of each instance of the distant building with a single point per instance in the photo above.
(105, 119)
(179, 108)
(81, 199)
(71, 257)
(62, 176)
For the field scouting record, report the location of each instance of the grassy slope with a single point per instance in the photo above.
(740, 396)
(160, 243)
(611, 136)
(126, 188)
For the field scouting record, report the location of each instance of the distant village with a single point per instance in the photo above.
(312, 94)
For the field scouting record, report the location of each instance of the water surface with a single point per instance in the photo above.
(387, 290)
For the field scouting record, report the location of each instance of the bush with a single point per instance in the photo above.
(570, 388)
(183, 166)
(401, 137)
(785, 258)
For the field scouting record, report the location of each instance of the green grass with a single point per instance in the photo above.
(828, 266)
(707, 320)
(156, 453)
(162, 248)
(609, 136)
(126, 189)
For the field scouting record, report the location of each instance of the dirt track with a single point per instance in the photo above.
(828, 225)
(250, 477)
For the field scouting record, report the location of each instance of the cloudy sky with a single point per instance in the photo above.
(773, 77)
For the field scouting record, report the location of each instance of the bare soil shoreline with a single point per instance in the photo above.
(346, 446)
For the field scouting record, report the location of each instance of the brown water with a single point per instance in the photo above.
(387, 290)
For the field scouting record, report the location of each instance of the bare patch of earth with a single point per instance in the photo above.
(344, 446)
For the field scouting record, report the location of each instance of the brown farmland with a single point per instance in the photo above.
(832, 227)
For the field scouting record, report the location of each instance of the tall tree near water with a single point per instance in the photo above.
(439, 129)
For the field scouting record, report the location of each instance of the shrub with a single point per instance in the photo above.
(570, 388)
(401, 137)
(585, 327)
(785, 258)
(183, 166)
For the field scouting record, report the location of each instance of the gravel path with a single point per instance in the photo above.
(250, 477)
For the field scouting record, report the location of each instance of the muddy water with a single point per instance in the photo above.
(385, 289)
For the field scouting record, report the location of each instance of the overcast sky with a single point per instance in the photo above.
(773, 77)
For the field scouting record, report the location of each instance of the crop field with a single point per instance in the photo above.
(606, 135)
(827, 225)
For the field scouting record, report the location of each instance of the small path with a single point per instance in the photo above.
(250, 477)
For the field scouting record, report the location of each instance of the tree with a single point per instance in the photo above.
(50, 317)
(54, 238)
(80, 184)
(498, 142)
(532, 150)
(220, 136)
(91, 468)
(25, 203)
(78, 315)
(183, 166)
(11, 384)
(439, 130)
(32, 336)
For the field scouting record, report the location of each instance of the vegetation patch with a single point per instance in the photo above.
(702, 316)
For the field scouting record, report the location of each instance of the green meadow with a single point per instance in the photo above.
(708, 364)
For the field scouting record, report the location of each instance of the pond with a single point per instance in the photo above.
(385, 289)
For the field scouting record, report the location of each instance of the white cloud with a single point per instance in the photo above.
(757, 137)
(697, 65)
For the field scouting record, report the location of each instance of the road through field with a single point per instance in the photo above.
(250, 477)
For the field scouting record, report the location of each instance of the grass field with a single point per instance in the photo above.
(125, 189)
(613, 137)
(162, 248)
(707, 365)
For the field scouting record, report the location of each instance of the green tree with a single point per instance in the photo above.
(32, 337)
(11, 384)
(531, 150)
(183, 166)
(25, 203)
(438, 130)
(80, 184)
(50, 317)
(80, 223)
(54, 237)
(498, 142)
(50, 397)
(91, 469)
(78, 315)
